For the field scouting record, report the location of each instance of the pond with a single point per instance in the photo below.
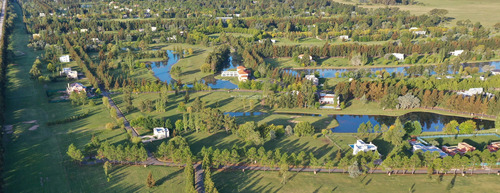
(331, 73)
(161, 71)
(350, 123)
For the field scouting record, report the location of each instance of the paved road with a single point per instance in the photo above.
(120, 115)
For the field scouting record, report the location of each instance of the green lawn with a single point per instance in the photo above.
(480, 142)
(35, 160)
(484, 11)
(267, 181)
(216, 35)
(318, 42)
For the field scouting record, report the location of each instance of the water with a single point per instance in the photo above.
(331, 73)
(161, 70)
(350, 123)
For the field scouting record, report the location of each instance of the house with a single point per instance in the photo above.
(302, 55)
(229, 73)
(413, 28)
(64, 58)
(223, 19)
(329, 99)
(362, 146)
(312, 78)
(425, 148)
(141, 30)
(65, 71)
(161, 132)
(399, 56)
(124, 16)
(35, 36)
(243, 73)
(153, 29)
(83, 30)
(494, 146)
(461, 148)
(419, 32)
(75, 87)
(95, 39)
(457, 52)
(42, 14)
(72, 74)
(344, 37)
(495, 71)
(471, 92)
(273, 41)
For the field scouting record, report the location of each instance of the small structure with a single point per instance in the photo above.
(328, 98)
(273, 41)
(75, 87)
(84, 30)
(95, 39)
(153, 29)
(312, 78)
(413, 28)
(42, 14)
(457, 52)
(362, 146)
(64, 59)
(243, 73)
(35, 36)
(399, 56)
(461, 148)
(495, 71)
(302, 55)
(471, 92)
(141, 29)
(69, 73)
(344, 37)
(229, 73)
(426, 148)
(223, 19)
(124, 16)
(419, 32)
(494, 146)
(161, 132)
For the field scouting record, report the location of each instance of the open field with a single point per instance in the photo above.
(266, 181)
(318, 42)
(484, 11)
(35, 160)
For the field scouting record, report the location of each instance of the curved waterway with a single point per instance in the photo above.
(350, 123)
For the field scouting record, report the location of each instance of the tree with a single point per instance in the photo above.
(354, 170)
(35, 72)
(467, 127)
(74, 153)
(51, 67)
(209, 183)
(189, 177)
(107, 166)
(451, 127)
(288, 130)
(408, 101)
(389, 101)
(438, 12)
(150, 182)
(303, 129)
(497, 122)
(248, 133)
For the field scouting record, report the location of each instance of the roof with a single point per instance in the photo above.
(77, 84)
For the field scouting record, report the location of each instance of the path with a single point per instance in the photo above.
(119, 114)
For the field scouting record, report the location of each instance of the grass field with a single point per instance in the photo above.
(35, 160)
(484, 11)
(266, 181)
(318, 42)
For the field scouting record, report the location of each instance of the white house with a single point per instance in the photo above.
(141, 29)
(425, 148)
(64, 58)
(312, 78)
(243, 73)
(413, 28)
(399, 56)
(362, 146)
(72, 74)
(495, 71)
(273, 41)
(84, 30)
(329, 99)
(75, 87)
(457, 52)
(65, 71)
(471, 91)
(229, 73)
(42, 14)
(95, 39)
(344, 37)
(161, 132)
(153, 29)
(419, 32)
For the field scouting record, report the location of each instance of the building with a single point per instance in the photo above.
(494, 146)
(344, 37)
(273, 41)
(419, 32)
(84, 30)
(495, 71)
(153, 29)
(399, 56)
(161, 132)
(312, 78)
(42, 14)
(69, 73)
(413, 28)
(229, 73)
(95, 39)
(243, 73)
(457, 52)
(425, 148)
(461, 148)
(302, 55)
(36, 36)
(329, 99)
(64, 58)
(141, 29)
(75, 87)
(362, 146)
(471, 92)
